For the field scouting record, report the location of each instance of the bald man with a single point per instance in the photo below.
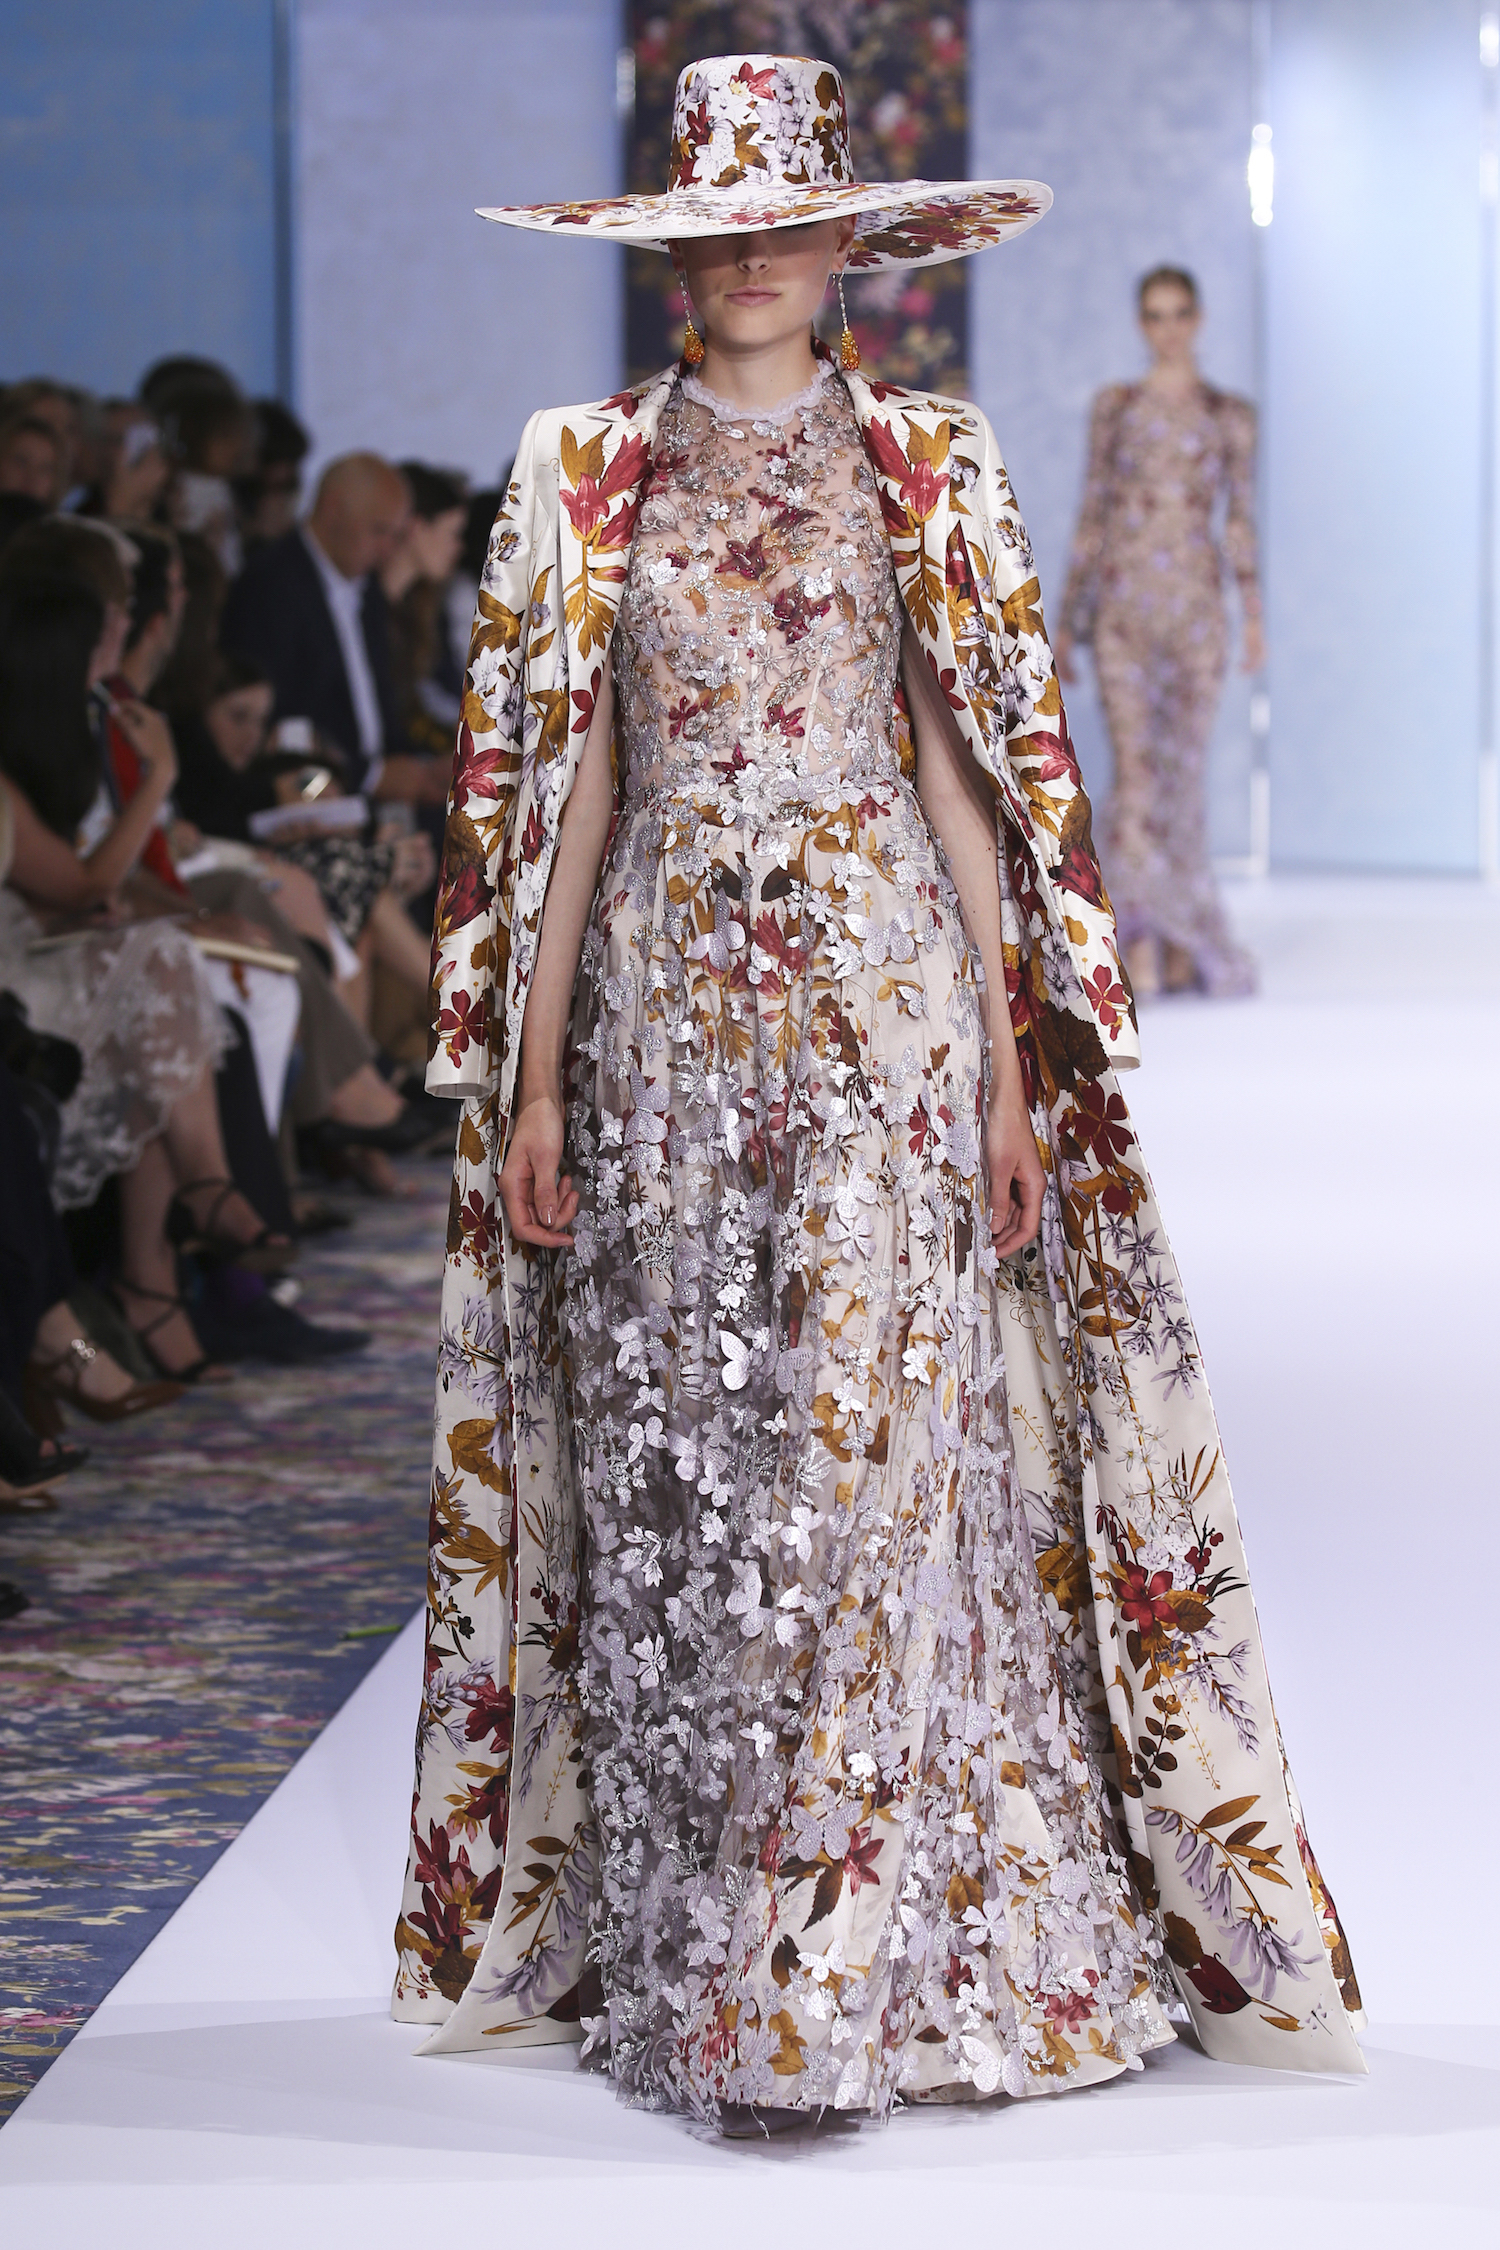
(309, 609)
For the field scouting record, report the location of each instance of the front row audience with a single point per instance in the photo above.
(224, 750)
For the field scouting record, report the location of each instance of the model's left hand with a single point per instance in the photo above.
(1014, 1169)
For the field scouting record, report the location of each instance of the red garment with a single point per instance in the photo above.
(126, 767)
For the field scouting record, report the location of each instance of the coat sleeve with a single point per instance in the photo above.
(470, 945)
(1064, 876)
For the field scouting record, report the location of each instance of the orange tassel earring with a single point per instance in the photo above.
(692, 342)
(848, 349)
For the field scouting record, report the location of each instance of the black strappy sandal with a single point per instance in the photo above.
(262, 1254)
(27, 1474)
(203, 1369)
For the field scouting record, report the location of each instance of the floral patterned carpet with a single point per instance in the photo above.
(212, 1587)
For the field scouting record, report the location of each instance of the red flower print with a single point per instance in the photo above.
(948, 682)
(1100, 1122)
(1222, 1992)
(1145, 1600)
(480, 1224)
(586, 698)
(463, 1023)
(923, 489)
(747, 559)
(795, 614)
(761, 83)
(920, 487)
(475, 771)
(491, 1713)
(1070, 2011)
(464, 899)
(588, 504)
(1055, 755)
(859, 1859)
(1106, 996)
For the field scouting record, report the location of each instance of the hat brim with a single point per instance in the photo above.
(901, 222)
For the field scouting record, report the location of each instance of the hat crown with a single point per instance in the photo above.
(759, 121)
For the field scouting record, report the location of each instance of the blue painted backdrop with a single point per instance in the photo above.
(137, 187)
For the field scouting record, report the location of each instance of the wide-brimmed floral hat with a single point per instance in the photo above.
(763, 141)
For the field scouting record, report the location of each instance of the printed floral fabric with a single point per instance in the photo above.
(763, 140)
(849, 1838)
(1110, 1703)
(1146, 587)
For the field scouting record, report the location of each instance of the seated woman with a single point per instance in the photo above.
(225, 780)
(338, 1092)
(133, 995)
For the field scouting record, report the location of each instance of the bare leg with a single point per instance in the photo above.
(399, 944)
(101, 1377)
(365, 1099)
(355, 991)
(194, 1145)
(148, 1270)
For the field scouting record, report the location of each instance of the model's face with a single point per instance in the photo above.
(238, 722)
(1170, 321)
(754, 290)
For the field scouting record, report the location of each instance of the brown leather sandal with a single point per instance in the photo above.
(47, 1384)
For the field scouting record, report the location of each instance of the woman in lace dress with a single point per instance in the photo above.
(1170, 458)
(795, 1116)
(840, 1660)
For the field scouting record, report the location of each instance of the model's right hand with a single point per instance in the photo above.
(1062, 657)
(539, 1204)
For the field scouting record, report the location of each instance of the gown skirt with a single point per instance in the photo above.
(854, 1840)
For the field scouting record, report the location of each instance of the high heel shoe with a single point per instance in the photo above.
(47, 1383)
(27, 1474)
(262, 1254)
(203, 1368)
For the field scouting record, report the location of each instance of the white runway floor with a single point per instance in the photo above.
(1327, 1160)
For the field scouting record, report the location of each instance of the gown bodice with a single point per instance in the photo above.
(759, 630)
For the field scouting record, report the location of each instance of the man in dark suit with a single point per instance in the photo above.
(310, 609)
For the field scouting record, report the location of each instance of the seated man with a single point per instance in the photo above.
(310, 610)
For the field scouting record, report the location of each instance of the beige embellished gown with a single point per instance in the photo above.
(1168, 505)
(852, 1833)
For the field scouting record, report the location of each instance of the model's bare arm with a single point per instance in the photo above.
(960, 807)
(539, 1199)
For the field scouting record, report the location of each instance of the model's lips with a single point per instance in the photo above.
(752, 296)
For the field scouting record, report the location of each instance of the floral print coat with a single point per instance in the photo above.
(1137, 1545)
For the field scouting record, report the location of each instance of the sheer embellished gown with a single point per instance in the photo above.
(854, 1842)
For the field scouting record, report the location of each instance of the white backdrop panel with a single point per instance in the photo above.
(1373, 433)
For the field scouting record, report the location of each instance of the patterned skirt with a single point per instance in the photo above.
(853, 1843)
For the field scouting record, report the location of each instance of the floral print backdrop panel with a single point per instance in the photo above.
(905, 72)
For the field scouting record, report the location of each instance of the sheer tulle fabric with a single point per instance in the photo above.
(852, 1840)
(138, 1002)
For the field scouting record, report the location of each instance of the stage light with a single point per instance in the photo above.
(1261, 174)
(1489, 40)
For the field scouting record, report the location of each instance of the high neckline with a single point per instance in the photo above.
(725, 410)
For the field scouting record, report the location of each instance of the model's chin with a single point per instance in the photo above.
(745, 327)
